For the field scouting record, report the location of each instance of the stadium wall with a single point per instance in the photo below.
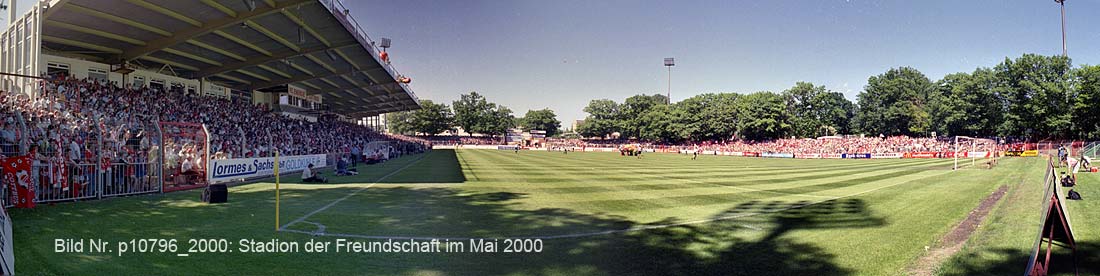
(20, 44)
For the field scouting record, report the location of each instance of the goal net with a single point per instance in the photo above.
(973, 152)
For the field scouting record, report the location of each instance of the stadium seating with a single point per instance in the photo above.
(77, 125)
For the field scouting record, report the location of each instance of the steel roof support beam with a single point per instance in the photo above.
(272, 35)
(212, 26)
(262, 60)
(54, 7)
(169, 62)
(80, 44)
(94, 32)
(288, 81)
(165, 11)
(242, 42)
(124, 21)
(305, 26)
(232, 78)
(216, 49)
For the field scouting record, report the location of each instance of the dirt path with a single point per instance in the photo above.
(953, 241)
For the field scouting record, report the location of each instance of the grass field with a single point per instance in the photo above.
(597, 214)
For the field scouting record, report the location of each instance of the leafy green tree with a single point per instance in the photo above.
(835, 113)
(475, 114)
(498, 121)
(967, 104)
(815, 111)
(1036, 92)
(401, 122)
(632, 110)
(666, 123)
(543, 119)
(895, 103)
(763, 116)
(602, 120)
(801, 101)
(472, 112)
(1086, 107)
(430, 119)
(709, 116)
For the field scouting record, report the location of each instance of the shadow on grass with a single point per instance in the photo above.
(575, 242)
(755, 245)
(1013, 261)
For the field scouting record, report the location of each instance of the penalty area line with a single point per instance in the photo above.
(323, 208)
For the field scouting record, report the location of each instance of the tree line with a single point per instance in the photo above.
(1032, 96)
(474, 114)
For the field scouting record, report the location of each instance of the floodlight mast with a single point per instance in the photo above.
(1062, 3)
(669, 62)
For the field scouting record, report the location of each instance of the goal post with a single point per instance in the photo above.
(974, 149)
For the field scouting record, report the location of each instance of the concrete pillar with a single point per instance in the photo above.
(11, 12)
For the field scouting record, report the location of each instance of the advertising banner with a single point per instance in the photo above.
(857, 155)
(1030, 153)
(832, 155)
(601, 149)
(922, 154)
(225, 170)
(751, 154)
(885, 155)
(808, 156)
(977, 154)
(777, 155)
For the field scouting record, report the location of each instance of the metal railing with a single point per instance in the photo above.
(1091, 149)
(62, 182)
(343, 15)
(129, 179)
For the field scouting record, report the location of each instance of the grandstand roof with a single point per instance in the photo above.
(242, 44)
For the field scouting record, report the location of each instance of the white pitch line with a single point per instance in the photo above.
(283, 228)
(608, 232)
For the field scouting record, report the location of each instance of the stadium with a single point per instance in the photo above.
(276, 137)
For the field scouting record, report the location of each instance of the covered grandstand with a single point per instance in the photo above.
(121, 97)
(311, 50)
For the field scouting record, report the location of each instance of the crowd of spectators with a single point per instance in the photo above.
(462, 140)
(893, 144)
(832, 144)
(79, 123)
(238, 128)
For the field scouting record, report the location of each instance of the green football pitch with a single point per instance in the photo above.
(591, 214)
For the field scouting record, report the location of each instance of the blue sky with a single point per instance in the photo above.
(529, 54)
(561, 54)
